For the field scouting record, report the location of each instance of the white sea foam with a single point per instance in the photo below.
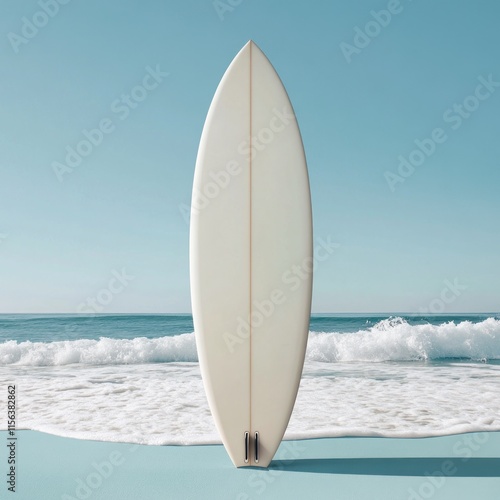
(166, 404)
(389, 340)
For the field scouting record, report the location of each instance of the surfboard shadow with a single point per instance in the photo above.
(448, 467)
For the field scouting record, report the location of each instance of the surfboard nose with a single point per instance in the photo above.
(250, 44)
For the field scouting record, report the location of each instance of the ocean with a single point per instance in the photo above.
(135, 378)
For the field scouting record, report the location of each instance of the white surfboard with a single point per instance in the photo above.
(251, 258)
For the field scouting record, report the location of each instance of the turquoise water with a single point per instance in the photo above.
(58, 327)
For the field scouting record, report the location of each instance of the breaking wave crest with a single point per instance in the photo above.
(392, 339)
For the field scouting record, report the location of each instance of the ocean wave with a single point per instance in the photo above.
(392, 339)
(104, 351)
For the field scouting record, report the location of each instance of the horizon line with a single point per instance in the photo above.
(419, 313)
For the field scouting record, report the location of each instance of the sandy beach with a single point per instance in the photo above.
(459, 467)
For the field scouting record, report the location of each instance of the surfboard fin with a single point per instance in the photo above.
(247, 446)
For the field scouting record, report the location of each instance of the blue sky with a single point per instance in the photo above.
(430, 243)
